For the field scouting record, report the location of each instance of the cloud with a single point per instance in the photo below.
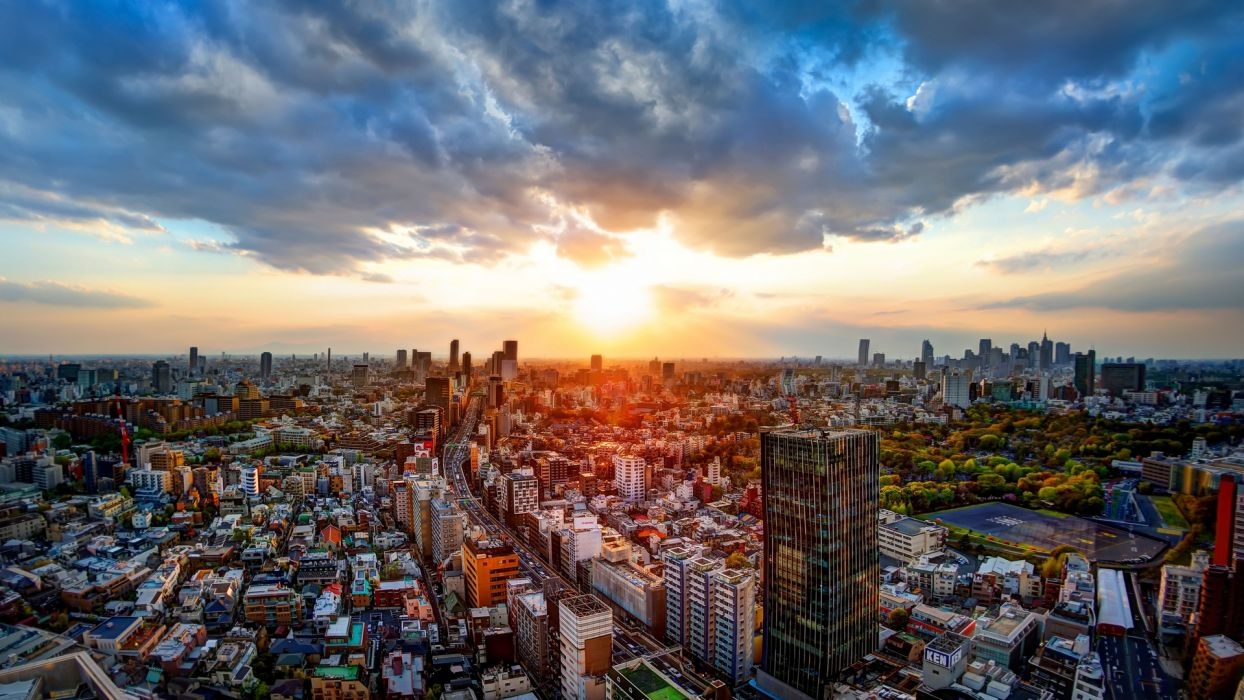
(311, 133)
(1203, 271)
(58, 294)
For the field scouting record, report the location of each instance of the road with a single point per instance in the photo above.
(1130, 662)
(629, 640)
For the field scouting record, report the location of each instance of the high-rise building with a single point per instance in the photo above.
(986, 346)
(447, 527)
(1085, 364)
(629, 475)
(586, 632)
(161, 378)
(822, 566)
(598, 363)
(453, 356)
(265, 366)
(466, 369)
(194, 359)
(1047, 352)
(1034, 354)
(359, 377)
(878, 359)
(677, 605)
(436, 392)
(863, 359)
(250, 480)
(919, 369)
(1118, 377)
(926, 353)
(401, 359)
(486, 566)
(518, 493)
(510, 349)
(732, 608)
(667, 371)
(1062, 353)
(1216, 668)
(957, 387)
(423, 364)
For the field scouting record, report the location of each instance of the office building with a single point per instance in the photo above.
(486, 566)
(863, 357)
(453, 356)
(630, 476)
(926, 353)
(919, 369)
(401, 359)
(1120, 377)
(518, 493)
(878, 359)
(586, 636)
(667, 371)
(161, 378)
(1047, 352)
(436, 393)
(194, 359)
(265, 366)
(985, 346)
(510, 351)
(822, 566)
(1009, 638)
(908, 539)
(957, 387)
(945, 660)
(598, 363)
(1085, 370)
(1034, 354)
(1062, 353)
(466, 369)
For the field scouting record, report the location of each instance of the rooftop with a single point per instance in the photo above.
(1222, 647)
(909, 526)
(344, 673)
(652, 684)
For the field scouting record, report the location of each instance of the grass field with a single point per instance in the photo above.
(1023, 528)
(1169, 512)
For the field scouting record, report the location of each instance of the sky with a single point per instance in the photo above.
(680, 178)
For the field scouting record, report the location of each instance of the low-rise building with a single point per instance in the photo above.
(908, 539)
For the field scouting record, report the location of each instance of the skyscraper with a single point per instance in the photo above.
(161, 379)
(401, 359)
(510, 348)
(1118, 377)
(1085, 370)
(453, 356)
(359, 376)
(1034, 354)
(822, 567)
(265, 366)
(1062, 353)
(466, 368)
(926, 353)
(863, 359)
(194, 359)
(986, 346)
(1047, 352)
(598, 363)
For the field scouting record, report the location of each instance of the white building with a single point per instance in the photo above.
(1179, 594)
(734, 622)
(447, 524)
(149, 480)
(629, 478)
(907, 539)
(586, 631)
(956, 387)
(250, 480)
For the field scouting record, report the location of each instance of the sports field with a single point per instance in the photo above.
(1017, 525)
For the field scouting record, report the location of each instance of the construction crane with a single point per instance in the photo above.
(788, 388)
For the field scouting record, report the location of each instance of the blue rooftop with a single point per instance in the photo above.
(114, 627)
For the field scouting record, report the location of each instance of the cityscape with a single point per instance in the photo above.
(649, 350)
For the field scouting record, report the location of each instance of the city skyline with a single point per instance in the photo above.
(661, 178)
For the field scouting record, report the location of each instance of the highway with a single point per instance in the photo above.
(1130, 662)
(629, 640)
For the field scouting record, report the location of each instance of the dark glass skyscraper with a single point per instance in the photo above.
(265, 366)
(822, 567)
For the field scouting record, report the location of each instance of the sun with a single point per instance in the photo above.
(607, 305)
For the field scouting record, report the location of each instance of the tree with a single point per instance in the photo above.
(62, 441)
(260, 691)
(898, 619)
(737, 560)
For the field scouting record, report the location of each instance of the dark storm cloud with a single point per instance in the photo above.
(1203, 271)
(57, 294)
(323, 137)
